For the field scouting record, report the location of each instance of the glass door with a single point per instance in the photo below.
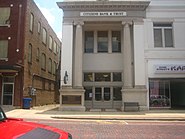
(7, 93)
(102, 97)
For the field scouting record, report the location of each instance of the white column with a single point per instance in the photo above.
(78, 56)
(127, 56)
(67, 53)
(139, 63)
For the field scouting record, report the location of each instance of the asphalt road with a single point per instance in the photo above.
(119, 129)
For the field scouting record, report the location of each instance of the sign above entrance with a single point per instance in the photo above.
(118, 13)
(169, 68)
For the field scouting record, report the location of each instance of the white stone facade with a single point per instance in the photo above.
(135, 61)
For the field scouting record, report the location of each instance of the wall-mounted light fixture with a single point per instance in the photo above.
(65, 77)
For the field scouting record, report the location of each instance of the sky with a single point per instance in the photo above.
(52, 13)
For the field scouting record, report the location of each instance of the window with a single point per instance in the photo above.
(55, 47)
(106, 93)
(31, 22)
(38, 54)
(50, 66)
(4, 16)
(102, 41)
(159, 93)
(98, 93)
(88, 77)
(43, 63)
(117, 94)
(89, 42)
(116, 41)
(102, 77)
(30, 53)
(54, 67)
(88, 93)
(117, 77)
(163, 36)
(3, 49)
(50, 42)
(44, 35)
(39, 27)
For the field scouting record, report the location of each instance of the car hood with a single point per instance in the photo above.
(19, 129)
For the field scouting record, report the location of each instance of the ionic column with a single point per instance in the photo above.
(78, 56)
(127, 56)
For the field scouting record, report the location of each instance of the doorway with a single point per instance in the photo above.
(102, 97)
(7, 90)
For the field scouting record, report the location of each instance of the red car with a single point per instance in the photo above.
(11, 128)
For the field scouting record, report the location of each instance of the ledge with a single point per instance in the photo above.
(105, 5)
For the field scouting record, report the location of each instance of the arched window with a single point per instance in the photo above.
(50, 66)
(30, 53)
(43, 63)
(31, 22)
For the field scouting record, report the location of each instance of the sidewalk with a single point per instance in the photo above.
(52, 112)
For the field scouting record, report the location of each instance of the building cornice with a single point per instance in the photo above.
(104, 5)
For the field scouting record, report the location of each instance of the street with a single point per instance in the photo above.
(119, 129)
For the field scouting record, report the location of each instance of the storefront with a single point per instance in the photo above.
(167, 87)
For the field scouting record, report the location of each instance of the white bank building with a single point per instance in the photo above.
(120, 51)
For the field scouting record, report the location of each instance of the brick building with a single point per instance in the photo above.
(29, 55)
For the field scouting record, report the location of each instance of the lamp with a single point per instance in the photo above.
(65, 77)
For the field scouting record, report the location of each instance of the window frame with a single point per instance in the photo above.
(4, 54)
(30, 53)
(44, 36)
(43, 62)
(161, 26)
(31, 22)
(99, 37)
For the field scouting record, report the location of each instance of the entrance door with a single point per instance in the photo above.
(7, 98)
(102, 97)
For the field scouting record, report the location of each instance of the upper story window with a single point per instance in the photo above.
(117, 76)
(50, 42)
(39, 27)
(55, 47)
(54, 67)
(163, 35)
(3, 49)
(116, 41)
(89, 42)
(44, 35)
(4, 16)
(31, 22)
(43, 61)
(30, 53)
(38, 54)
(102, 41)
(88, 77)
(102, 77)
(50, 66)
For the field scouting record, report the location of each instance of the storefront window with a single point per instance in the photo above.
(159, 93)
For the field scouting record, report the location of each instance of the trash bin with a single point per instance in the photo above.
(27, 103)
